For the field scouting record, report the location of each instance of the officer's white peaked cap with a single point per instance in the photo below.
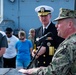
(44, 10)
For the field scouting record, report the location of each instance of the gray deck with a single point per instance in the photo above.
(9, 71)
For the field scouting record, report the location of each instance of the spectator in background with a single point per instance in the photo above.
(9, 57)
(31, 35)
(24, 49)
(3, 46)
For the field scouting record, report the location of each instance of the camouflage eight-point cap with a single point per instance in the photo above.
(66, 13)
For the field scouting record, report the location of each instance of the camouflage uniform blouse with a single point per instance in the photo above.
(64, 59)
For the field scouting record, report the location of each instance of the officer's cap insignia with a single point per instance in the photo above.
(42, 9)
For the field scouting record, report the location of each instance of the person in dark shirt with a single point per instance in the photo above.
(3, 46)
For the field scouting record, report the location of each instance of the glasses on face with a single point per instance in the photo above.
(8, 33)
(21, 38)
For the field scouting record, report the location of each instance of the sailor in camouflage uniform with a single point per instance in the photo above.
(64, 59)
